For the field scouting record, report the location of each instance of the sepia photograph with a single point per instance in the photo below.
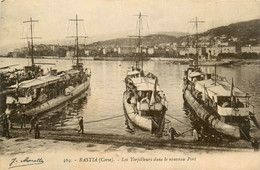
(130, 84)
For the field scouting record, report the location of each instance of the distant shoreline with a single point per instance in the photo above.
(170, 60)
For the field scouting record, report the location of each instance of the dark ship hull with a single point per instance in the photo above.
(219, 105)
(209, 119)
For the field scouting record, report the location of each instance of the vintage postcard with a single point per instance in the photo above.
(129, 84)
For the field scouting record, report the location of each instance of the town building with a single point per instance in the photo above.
(103, 51)
(251, 49)
(228, 49)
(215, 51)
(86, 52)
(69, 53)
(159, 52)
(184, 51)
(127, 50)
(150, 50)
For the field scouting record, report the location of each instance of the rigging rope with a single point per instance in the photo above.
(85, 32)
(147, 25)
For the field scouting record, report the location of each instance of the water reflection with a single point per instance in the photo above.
(65, 116)
(104, 99)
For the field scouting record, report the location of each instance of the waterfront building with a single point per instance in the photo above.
(160, 51)
(144, 50)
(103, 51)
(251, 49)
(150, 50)
(228, 49)
(54, 48)
(215, 51)
(184, 51)
(127, 50)
(69, 53)
(86, 52)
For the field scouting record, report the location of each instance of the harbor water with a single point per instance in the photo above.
(104, 98)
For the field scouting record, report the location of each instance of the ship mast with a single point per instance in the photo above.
(28, 45)
(139, 39)
(77, 40)
(140, 57)
(77, 37)
(31, 26)
(197, 39)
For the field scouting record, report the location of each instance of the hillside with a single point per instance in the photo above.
(243, 30)
(174, 33)
(149, 40)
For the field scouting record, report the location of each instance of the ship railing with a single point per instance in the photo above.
(228, 111)
(11, 99)
(21, 100)
(157, 106)
(221, 78)
(25, 100)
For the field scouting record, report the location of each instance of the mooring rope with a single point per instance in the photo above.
(178, 120)
(94, 121)
(109, 118)
(244, 133)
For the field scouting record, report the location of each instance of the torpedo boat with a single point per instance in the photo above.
(44, 93)
(144, 102)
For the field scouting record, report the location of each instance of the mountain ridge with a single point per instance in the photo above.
(244, 31)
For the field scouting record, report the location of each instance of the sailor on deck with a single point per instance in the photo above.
(145, 99)
(133, 101)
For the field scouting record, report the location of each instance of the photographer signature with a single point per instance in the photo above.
(15, 163)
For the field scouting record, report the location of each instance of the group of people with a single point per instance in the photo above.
(174, 133)
(6, 125)
(134, 98)
(34, 125)
(145, 97)
(202, 135)
(231, 101)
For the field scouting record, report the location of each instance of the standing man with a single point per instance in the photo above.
(37, 130)
(195, 135)
(172, 133)
(33, 122)
(6, 127)
(81, 127)
(23, 124)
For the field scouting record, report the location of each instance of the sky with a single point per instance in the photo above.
(107, 19)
